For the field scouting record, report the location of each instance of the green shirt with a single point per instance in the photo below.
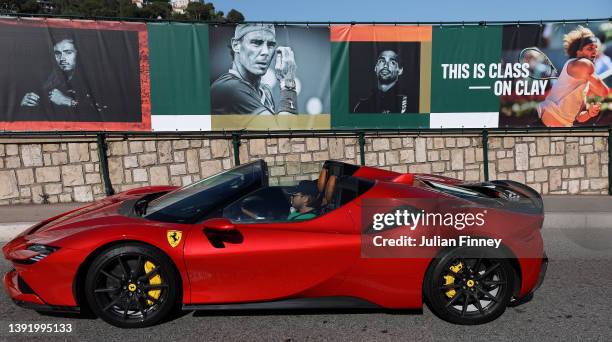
(301, 216)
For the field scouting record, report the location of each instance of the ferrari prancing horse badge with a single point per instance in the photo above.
(174, 237)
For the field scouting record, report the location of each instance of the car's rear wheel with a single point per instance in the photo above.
(132, 286)
(469, 286)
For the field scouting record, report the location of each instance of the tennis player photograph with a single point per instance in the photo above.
(384, 77)
(575, 61)
(68, 74)
(263, 69)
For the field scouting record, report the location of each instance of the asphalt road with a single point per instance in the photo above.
(573, 304)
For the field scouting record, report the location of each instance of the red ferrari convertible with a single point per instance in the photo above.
(231, 241)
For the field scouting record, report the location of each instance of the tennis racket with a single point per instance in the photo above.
(540, 66)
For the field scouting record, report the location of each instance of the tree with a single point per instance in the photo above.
(30, 6)
(155, 10)
(234, 16)
(199, 11)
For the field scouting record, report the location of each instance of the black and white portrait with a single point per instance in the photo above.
(262, 69)
(384, 77)
(67, 74)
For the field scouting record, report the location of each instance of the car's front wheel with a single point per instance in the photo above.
(132, 286)
(469, 286)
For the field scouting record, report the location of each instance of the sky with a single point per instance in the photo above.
(407, 10)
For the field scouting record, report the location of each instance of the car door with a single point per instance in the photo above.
(266, 261)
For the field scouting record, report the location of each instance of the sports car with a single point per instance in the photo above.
(227, 242)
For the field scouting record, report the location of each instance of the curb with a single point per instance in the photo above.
(554, 220)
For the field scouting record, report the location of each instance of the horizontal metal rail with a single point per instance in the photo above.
(310, 23)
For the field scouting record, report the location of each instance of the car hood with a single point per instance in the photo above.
(103, 212)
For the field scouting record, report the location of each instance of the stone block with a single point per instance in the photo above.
(553, 161)
(159, 175)
(522, 157)
(147, 159)
(130, 161)
(192, 161)
(118, 148)
(320, 156)
(554, 180)
(47, 174)
(12, 162)
(420, 168)
(179, 156)
(24, 176)
(12, 150)
(312, 144)
(136, 146)
(149, 146)
(78, 152)
(83, 193)
(9, 188)
(541, 175)
(505, 165)
(592, 165)
(31, 155)
(298, 148)
(420, 150)
(221, 148)
(53, 188)
(72, 175)
(407, 156)
(257, 147)
(543, 146)
(572, 156)
(59, 158)
(50, 147)
(140, 175)
(210, 167)
(392, 157)
(115, 170)
(335, 148)
(164, 152)
(178, 169)
(180, 144)
(92, 178)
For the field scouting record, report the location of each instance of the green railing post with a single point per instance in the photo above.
(485, 153)
(236, 144)
(362, 148)
(609, 161)
(108, 186)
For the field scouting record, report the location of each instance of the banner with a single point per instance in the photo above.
(97, 75)
(73, 75)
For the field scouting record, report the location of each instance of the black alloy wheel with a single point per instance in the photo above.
(132, 286)
(469, 286)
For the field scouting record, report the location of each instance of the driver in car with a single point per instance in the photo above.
(303, 199)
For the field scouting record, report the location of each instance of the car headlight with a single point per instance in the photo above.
(42, 250)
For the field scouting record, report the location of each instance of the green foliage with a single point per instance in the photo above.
(156, 9)
(234, 16)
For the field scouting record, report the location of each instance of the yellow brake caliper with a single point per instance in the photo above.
(154, 280)
(450, 279)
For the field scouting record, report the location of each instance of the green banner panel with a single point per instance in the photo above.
(461, 57)
(178, 55)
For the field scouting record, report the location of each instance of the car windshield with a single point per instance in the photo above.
(192, 202)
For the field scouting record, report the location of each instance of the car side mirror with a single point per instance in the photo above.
(220, 225)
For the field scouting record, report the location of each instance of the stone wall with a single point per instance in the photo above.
(70, 171)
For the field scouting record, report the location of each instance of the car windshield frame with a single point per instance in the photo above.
(191, 203)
